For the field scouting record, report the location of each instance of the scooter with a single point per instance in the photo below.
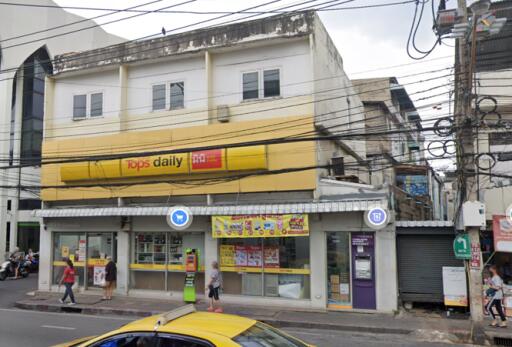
(8, 269)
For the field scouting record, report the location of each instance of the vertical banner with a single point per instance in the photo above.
(244, 226)
(454, 286)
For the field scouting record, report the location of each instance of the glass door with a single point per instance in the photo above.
(338, 270)
(99, 247)
(69, 246)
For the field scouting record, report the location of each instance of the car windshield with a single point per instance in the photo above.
(261, 335)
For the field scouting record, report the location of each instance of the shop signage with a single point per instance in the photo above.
(461, 247)
(215, 160)
(454, 286)
(376, 218)
(502, 233)
(475, 256)
(362, 240)
(244, 226)
(179, 218)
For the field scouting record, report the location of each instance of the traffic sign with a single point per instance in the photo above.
(462, 247)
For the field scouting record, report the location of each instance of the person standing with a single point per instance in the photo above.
(214, 288)
(496, 296)
(110, 279)
(68, 279)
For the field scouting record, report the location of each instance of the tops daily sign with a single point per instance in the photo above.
(376, 218)
(179, 218)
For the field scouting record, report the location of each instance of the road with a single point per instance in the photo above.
(42, 329)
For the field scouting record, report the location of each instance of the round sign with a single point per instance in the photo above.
(509, 214)
(376, 218)
(179, 218)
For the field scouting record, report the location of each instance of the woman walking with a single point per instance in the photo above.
(213, 289)
(495, 292)
(110, 279)
(68, 279)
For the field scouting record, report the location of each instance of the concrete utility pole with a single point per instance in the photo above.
(464, 69)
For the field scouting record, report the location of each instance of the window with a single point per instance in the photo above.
(261, 335)
(271, 83)
(9, 205)
(129, 340)
(29, 204)
(177, 95)
(159, 97)
(79, 106)
(96, 104)
(250, 85)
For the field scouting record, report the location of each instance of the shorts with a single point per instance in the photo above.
(213, 293)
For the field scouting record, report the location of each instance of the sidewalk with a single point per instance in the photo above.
(425, 328)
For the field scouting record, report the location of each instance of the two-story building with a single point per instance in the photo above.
(244, 126)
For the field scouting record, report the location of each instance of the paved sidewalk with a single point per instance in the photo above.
(425, 328)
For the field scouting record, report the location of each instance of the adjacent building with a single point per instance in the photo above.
(228, 123)
(27, 48)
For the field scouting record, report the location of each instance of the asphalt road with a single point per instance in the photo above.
(42, 329)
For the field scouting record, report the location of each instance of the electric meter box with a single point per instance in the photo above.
(473, 214)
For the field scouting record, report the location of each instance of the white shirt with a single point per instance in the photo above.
(497, 283)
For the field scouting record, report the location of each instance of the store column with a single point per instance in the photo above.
(123, 261)
(210, 254)
(318, 259)
(45, 258)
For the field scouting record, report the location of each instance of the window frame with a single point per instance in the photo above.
(166, 103)
(73, 106)
(169, 104)
(261, 83)
(102, 104)
(162, 335)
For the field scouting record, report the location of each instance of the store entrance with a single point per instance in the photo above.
(338, 270)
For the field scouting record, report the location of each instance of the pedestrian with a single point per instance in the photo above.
(214, 288)
(495, 293)
(68, 279)
(110, 279)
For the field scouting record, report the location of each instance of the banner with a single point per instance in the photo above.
(454, 286)
(244, 226)
(502, 233)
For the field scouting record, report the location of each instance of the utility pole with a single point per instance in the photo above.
(464, 69)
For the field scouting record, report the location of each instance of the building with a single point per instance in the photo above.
(27, 48)
(210, 120)
(399, 158)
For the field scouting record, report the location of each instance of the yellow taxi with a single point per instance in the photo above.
(185, 327)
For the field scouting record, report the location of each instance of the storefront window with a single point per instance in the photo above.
(277, 267)
(158, 260)
(72, 246)
(99, 246)
(338, 269)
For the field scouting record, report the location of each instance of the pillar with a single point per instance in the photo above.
(210, 254)
(123, 262)
(386, 270)
(45, 257)
(123, 99)
(318, 264)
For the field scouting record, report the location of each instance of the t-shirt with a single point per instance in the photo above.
(215, 278)
(69, 275)
(497, 282)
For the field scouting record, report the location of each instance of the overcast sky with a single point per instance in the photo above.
(372, 41)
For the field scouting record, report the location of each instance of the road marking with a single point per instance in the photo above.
(57, 327)
(77, 315)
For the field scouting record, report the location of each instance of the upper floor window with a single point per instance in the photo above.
(79, 106)
(158, 97)
(177, 95)
(271, 84)
(80, 109)
(96, 104)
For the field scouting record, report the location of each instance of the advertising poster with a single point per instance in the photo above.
(454, 286)
(65, 252)
(227, 255)
(81, 250)
(99, 276)
(240, 256)
(254, 256)
(271, 257)
(502, 233)
(244, 226)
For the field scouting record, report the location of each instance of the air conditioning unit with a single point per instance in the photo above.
(223, 113)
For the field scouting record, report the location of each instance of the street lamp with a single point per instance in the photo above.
(480, 7)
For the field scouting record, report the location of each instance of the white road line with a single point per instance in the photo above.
(57, 327)
(76, 315)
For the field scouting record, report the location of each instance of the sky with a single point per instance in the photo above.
(371, 41)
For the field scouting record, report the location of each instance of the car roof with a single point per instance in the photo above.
(199, 324)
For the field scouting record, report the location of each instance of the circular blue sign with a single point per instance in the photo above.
(377, 217)
(179, 218)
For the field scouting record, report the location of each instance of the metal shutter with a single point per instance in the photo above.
(420, 262)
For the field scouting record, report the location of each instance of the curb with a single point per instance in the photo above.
(279, 323)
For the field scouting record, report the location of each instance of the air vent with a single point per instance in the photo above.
(502, 341)
(223, 113)
(338, 166)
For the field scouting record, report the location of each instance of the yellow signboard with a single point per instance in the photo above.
(245, 226)
(213, 160)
